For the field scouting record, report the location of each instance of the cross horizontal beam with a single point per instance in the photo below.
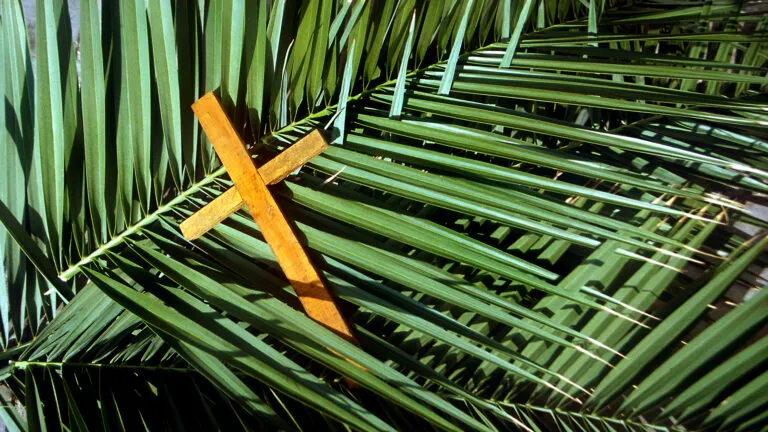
(272, 172)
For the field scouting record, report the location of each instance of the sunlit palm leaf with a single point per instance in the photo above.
(510, 217)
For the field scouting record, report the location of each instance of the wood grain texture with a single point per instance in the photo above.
(272, 172)
(318, 302)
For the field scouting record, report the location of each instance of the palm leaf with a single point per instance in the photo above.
(522, 226)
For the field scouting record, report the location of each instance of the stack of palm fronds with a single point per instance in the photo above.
(525, 208)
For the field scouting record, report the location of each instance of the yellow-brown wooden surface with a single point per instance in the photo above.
(272, 172)
(317, 300)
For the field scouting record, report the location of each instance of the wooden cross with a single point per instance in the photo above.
(251, 189)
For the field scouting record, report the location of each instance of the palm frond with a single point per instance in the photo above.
(527, 210)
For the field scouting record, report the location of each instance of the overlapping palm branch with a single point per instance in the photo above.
(523, 209)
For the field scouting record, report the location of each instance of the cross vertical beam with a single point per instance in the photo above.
(317, 300)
